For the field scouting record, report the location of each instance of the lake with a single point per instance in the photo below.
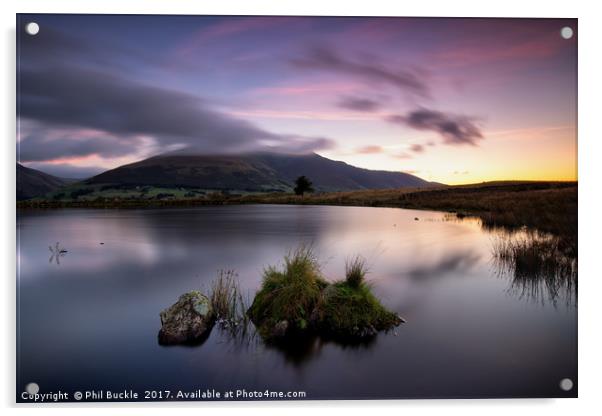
(90, 320)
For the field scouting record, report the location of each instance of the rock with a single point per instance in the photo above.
(280, 329)
(188, 320)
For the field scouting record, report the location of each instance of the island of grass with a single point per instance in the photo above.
(297, 301)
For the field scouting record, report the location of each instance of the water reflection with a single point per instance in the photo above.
(450, 263)
(57, 252)
(299, 350)
(537, 265)
(97, 315)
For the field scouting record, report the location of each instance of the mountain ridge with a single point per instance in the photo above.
(259, 171)
(33, 182)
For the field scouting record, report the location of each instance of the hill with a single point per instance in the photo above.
(254, 172)
(32, 183)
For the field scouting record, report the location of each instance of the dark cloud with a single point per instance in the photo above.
(292, 143)
(325, 58)
(50, 45)
(453, 128)
(70, 85)
(38, 144)
(369, 149)
(80, 98)
(54, 47)
(359, 104)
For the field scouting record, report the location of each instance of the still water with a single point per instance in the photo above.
(91, 320)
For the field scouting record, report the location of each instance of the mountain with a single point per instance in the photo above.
(252, 172)
(32, 182)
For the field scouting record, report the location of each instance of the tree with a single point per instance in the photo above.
(302, 185)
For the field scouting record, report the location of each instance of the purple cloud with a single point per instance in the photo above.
(359, 104)
(455, 129)
(76, 98)
(324, 58)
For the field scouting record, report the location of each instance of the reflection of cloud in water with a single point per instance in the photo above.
(453, 262)
(412, 288)
(428, 271)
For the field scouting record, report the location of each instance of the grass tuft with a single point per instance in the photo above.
(356, 270)
(347, 311)
(228, 302)
(289, 294)
(299, 295)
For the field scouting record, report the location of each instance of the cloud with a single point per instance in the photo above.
(54, 47)
(359, 104)
(403, 156)
(39, 143)
(371, 149)
(307, 88)
(417, 148)
(77, 100)
(325, 58)
(232, 26)
(292, 143)
(123, 110)
(515, 42)
(454, 129)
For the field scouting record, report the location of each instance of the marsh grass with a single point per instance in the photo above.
(356, 269)
(229, 304)
(299, 295)
(289, 294)
(352, 311)
(540, 265)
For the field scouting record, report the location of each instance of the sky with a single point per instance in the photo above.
(449, 100)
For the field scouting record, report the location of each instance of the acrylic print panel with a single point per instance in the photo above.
(295, 208)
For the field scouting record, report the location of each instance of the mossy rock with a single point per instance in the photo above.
(188, 320)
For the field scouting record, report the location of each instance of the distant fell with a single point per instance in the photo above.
(32, 182)
(253, 172)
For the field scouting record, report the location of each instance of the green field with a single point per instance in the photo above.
(81, 193)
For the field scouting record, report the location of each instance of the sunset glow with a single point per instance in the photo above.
(449, 100)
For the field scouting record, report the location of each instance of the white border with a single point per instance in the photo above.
(589, 189)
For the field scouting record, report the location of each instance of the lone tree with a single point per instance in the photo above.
(302, 185)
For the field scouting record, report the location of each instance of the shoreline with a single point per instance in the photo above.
(509, 205)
